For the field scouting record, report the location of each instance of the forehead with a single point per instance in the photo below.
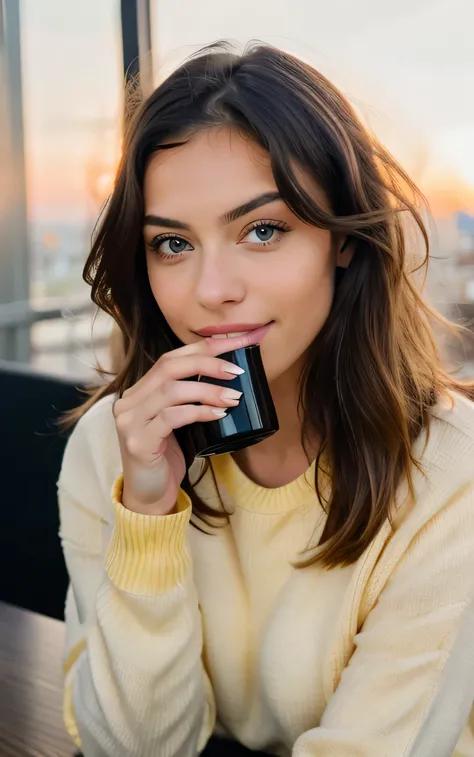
(216, 169)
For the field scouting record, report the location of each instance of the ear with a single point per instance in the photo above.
(346, 251)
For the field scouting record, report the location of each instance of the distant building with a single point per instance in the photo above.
(450, 284)
(465, 257)
(451, 278)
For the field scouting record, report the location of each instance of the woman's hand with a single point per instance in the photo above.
(148, 413)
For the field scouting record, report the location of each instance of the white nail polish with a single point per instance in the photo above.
(231, 394)
(219, 413)
(235, 369)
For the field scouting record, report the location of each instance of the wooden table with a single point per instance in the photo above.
(31, 690)
(31, 684)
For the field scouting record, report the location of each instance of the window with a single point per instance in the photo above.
(72, 76)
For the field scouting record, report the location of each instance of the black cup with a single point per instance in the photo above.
(251, 421)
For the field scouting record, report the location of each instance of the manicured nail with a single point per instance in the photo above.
(235, 369)
(231, 394)
(219, 413)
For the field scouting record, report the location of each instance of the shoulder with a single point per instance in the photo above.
(100, 415)
(444, 476)
(455, 414)
(91, 461)
(96, 428)
(450, 447)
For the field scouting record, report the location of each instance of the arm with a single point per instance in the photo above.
(135, 683)
(409, 685)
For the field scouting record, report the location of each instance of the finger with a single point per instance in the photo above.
(147, 445)
(176, 369)
(209, 347)
(185, 393)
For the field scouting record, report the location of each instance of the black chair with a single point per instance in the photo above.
(32, 570)
(217, 747)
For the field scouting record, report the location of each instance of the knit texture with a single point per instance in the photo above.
(173, 634)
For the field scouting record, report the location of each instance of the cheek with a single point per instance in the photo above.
(170, 299)
(303, 285)
(302, 295)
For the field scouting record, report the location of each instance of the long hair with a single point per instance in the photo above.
(373, 371)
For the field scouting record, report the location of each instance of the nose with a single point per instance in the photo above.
(218, 280)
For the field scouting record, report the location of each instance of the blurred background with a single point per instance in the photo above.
(407, 67)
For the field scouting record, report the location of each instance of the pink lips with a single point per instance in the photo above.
(229, 328)
(254, 336)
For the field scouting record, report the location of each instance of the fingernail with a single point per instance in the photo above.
(231, 394)
(235, 369)
(219, 413)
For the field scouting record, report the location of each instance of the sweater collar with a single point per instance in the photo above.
(249, 495)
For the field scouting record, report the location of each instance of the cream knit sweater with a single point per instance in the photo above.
(173, 634)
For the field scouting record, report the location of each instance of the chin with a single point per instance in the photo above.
(290, 370)
(274, 372)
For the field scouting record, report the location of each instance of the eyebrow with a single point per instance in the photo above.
(226, 218)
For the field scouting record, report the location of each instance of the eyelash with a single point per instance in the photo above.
(156, 242)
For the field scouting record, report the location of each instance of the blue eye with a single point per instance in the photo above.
(175, 245)
(170, 246)
(265, 232)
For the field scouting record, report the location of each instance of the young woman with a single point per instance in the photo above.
(311, 595)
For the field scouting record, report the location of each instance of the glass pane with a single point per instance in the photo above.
(72, 89)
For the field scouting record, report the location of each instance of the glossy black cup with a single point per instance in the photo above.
(254, 418)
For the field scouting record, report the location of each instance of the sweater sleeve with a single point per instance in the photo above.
(409, 686)
(135, 683)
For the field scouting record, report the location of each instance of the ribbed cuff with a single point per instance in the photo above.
(148, 554)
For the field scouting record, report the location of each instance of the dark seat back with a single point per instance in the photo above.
(32, 569)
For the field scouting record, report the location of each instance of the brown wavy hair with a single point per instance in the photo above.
(374, 370)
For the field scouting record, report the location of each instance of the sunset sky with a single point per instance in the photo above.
(408, 66)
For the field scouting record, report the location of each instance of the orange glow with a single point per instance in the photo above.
(448, 194)
(76, 182)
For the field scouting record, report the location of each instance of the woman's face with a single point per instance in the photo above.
(211, 265)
